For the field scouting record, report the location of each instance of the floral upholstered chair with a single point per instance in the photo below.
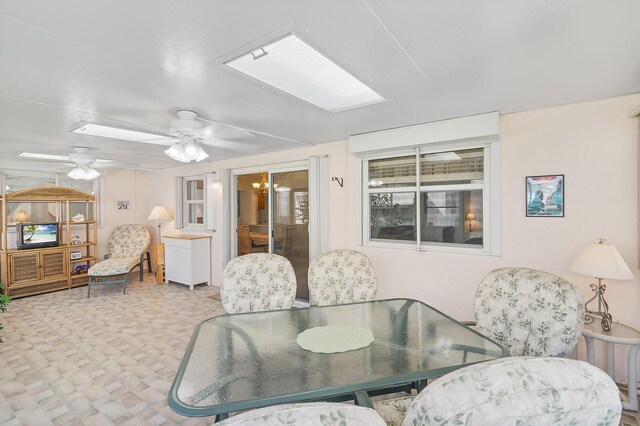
(529, 312)
(517, 391)
(308, 414)
(341, 276)
(258, 282)
(127, 246)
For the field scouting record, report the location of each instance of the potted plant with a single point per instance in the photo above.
(4, 301)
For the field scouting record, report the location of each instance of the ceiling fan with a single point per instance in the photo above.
(191, 133)
(82, 161)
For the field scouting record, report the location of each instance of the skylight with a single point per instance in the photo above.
(294, 67)
(93, 129)
(57, 157)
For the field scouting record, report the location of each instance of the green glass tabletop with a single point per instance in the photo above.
(240, 361)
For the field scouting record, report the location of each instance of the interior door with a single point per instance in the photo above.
(290, 222)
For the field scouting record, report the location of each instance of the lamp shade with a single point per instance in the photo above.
(22, 216)
(159, 213)
(601, 260)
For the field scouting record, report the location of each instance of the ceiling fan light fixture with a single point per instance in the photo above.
(190, 150)
(83, 172)
(176, 152)
(201, 155)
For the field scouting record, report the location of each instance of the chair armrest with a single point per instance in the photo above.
(470, 323)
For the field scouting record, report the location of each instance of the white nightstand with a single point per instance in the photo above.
(620, 334)
(187, 259)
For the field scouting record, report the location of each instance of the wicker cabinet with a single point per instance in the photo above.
(40, 270)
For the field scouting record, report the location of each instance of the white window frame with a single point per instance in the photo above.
(181, 207)
(480, 131)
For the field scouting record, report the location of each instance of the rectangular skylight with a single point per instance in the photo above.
(56, 157)
(93, 129)
(294, 67)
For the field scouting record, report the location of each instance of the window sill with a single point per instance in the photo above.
(429, 248)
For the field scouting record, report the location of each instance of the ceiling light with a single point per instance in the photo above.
(83, 172)
(186, 151)
(294, 67)
(93, 129)
(442, 156)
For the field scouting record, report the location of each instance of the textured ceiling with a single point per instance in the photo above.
(136, 62)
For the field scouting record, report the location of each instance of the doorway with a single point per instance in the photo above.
(273, 217)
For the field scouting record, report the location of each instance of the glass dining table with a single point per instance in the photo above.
(241, 361)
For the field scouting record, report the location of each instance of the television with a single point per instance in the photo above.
(37, 235)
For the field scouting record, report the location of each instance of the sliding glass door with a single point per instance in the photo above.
(290, 223)
(273, 217)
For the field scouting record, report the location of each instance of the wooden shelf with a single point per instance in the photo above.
(40, 270)
(82, 259)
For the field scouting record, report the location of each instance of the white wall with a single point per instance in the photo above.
(593, 144)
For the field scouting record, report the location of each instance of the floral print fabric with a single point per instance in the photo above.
(341, 276)
(126, 244)
(519, 391)
(530, 312)
(308, 414)
(258, 282)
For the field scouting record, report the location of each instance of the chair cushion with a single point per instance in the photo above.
(519, 390)
(128, 240)
(393, 410)
(341, 276)
(258, 282)
(113, 266)
(307, 414)
(530, 312)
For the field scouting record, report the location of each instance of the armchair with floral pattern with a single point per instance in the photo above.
(127, 246)
(258, 282)
(341, 276)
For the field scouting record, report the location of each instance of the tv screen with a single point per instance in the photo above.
(37, 235)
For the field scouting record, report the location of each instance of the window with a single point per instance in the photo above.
(434, 197)
(193, 199)
(431, 187)
(193, 190)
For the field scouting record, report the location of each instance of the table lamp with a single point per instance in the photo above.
(600, 260)
(159, 213)
(22, 217)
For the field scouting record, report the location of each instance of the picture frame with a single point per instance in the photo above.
(123, 205)
(544, 196)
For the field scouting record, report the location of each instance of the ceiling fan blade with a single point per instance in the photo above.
(163, 141)
(220, 131)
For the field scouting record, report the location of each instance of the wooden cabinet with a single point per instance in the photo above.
(40, 270)
(187, 259)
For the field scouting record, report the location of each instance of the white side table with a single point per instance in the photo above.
(620, 334)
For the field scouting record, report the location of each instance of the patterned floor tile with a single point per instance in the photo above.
(109, 359)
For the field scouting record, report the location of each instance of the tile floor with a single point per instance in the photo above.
(109, 359)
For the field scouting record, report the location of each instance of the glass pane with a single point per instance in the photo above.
(18, 183)
(195, 213)
(195, 190)
(393, 216)
(291, 223)
(462, 166)
(31, 212)
(452, 217)
(85, 186)
(392, 172)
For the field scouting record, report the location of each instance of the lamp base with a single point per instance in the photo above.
(603, 307)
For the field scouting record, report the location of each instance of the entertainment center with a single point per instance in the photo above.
(48, 222)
